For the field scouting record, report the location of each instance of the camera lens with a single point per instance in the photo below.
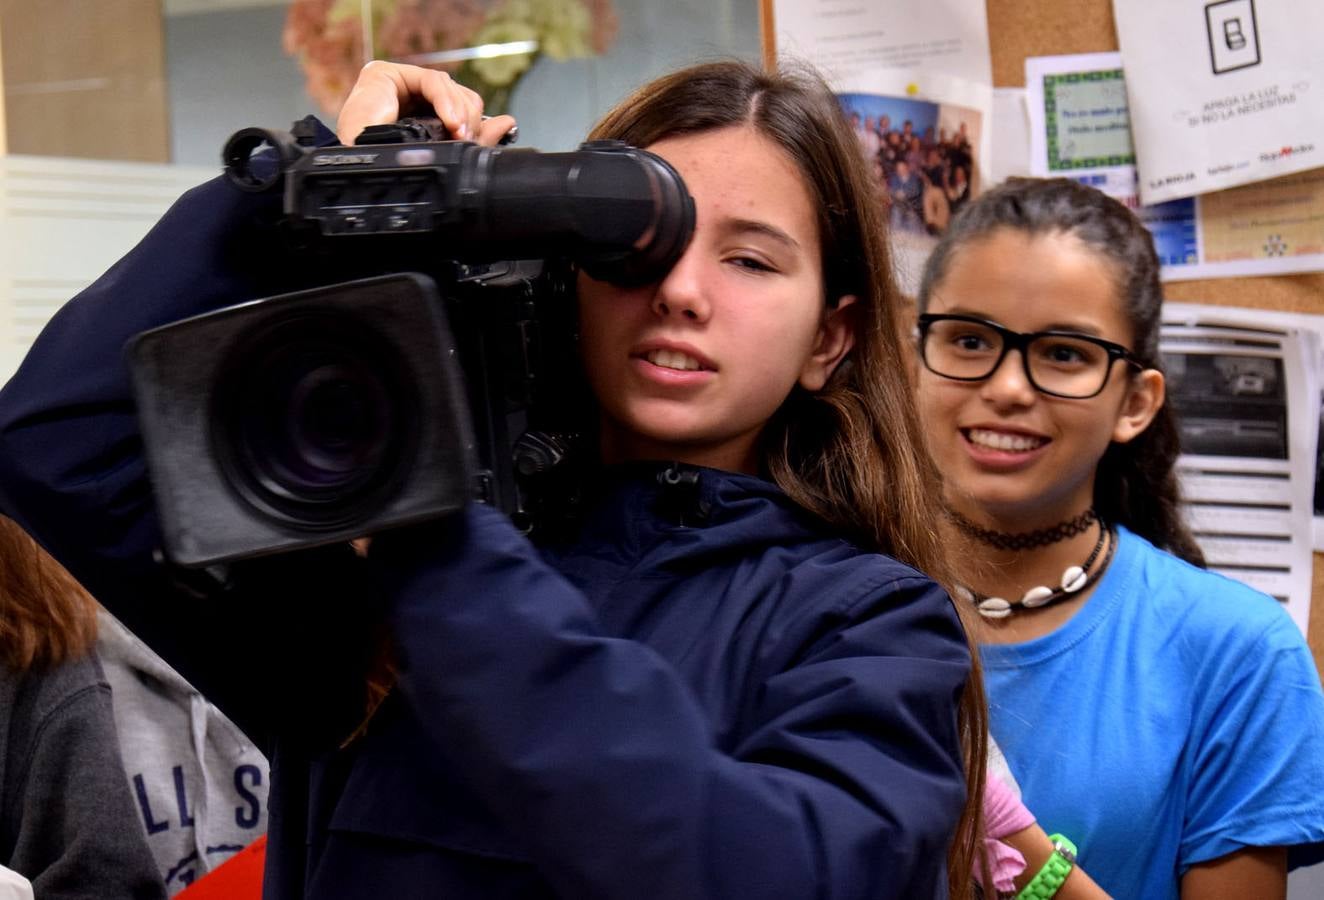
(315, 422)
(334, 425)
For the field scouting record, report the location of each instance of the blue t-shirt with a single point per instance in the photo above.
(1176, 718)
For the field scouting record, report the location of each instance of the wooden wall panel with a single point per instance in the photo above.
(84, 78)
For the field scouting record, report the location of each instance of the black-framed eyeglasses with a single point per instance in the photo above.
(1058, 363)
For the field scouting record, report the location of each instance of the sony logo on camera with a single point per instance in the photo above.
(344, 159)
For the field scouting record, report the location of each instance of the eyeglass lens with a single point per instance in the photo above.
(1070, 367)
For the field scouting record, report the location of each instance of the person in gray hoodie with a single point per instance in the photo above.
(67, 821)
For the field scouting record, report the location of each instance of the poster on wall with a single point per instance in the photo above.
(1222, 93)
(1245, 385)
(1080, 127)
(926, 139)
(915, 78)
(844, 37)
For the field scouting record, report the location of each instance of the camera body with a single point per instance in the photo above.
(620, 213)
(343, 410)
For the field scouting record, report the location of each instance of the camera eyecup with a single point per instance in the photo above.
(255, 158)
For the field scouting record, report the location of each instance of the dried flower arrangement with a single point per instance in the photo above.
(328, 37)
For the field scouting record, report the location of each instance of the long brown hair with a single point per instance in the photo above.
(852, 453)
(46, 617)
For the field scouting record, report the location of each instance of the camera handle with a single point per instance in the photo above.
(418, 129)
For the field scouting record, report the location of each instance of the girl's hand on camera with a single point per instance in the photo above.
(387, 90)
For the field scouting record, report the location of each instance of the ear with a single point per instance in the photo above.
(836, 337)
(1144, 398)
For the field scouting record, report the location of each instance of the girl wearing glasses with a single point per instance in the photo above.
(1165, 719)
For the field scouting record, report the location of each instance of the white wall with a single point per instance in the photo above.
(62, 223)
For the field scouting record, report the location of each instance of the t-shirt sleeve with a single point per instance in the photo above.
(1257, 763)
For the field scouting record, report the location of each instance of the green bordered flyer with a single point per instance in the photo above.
(1087, 125)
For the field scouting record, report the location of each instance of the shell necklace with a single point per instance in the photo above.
(1074, 580)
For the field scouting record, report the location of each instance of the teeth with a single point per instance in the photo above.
(996, 440)
(673, 359)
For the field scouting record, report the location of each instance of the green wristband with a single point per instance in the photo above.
(1048, 879)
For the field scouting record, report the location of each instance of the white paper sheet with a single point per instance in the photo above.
(1246, 386)
(1010, 128)
(1222, 93)
(1079, 117)
(843, 37)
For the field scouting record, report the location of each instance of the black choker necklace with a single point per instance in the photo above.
(1027, 539)
(1074, 580)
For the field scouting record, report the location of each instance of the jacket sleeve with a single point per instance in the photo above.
(72, 470)
(595, 752)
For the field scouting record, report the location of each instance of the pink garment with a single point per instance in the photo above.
(1004, 814)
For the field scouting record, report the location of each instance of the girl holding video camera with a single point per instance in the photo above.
(1166, 720)
(728, 677)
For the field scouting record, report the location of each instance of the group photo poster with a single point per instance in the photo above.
(926, 139)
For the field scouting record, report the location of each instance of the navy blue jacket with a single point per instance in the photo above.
(743, 705)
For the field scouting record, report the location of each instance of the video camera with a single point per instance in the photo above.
(339, 411)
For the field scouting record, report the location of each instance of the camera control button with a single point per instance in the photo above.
(416, 156)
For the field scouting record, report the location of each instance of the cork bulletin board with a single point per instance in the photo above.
(1023, 28)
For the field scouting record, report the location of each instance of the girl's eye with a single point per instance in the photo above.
(752, 263)
(1068, 353)
(971, 342)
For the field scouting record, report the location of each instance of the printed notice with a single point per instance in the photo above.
(1245, 384)
(846, 37)
(1080, 127)
(1087, 122)
(1222, 93)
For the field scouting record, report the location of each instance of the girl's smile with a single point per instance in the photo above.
(1002, 449)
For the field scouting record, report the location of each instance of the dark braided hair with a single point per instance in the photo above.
(1136, 484)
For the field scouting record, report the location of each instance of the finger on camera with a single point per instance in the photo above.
(385, 91)
(492, 130)
(374, 100)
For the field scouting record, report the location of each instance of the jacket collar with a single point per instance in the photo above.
(657, 510)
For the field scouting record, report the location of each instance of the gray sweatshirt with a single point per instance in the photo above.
(67, 819)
